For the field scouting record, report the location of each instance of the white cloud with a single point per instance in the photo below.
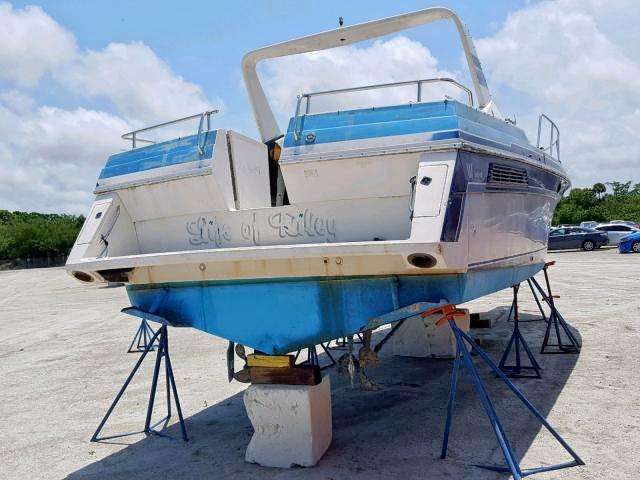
(397, 59)
(31, 44)
(16, 101)
(566, 56)
(577, 60)
(141, 86)
(51, 157)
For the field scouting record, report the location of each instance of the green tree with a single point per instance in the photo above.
(599, 189)
(28, 235)
(594, 204)
(620, 188)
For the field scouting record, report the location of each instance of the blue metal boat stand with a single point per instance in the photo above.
(537, 300)
(556, 322)
(535, 297)
(312, 356)
(463, 358)
(341, 343)
(386, 338)
(144, 332)
(141, 339)
(162, 352)
(516, 342)
(344, 342)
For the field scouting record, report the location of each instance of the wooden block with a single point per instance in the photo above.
(300, 375)
(275, 361)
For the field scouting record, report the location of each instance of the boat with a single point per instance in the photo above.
(324, 230)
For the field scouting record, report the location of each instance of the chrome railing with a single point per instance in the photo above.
(417, 83)
(554, 139)
(133, 136)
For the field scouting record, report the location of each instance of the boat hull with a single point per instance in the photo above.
(279, 316)
(373, 225)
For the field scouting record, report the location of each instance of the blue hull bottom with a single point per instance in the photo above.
(279, 316)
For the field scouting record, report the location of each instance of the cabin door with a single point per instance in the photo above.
(430, 184)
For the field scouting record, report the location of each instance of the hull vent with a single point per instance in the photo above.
(506, 175)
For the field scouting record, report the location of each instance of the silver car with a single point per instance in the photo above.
(616, 231)
(589, 224)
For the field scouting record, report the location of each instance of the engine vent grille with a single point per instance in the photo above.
(505, 175)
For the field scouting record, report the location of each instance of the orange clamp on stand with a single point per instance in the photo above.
(448, 311)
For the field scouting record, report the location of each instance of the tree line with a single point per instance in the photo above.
(37, 235)
(622, 202)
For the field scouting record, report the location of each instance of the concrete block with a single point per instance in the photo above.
(421, 337)
(292, 423)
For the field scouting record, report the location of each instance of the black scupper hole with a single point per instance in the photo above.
(83, 277)
(422, 260)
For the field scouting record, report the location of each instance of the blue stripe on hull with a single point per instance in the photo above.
(400, 120)
(279, 316)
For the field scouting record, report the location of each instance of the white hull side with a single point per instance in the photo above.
(498, 228)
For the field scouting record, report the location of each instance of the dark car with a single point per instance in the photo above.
(576, 237)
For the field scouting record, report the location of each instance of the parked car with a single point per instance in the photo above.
(630, 243)
(589, 224)
(626, 222)
(616, 231)
(576, 237)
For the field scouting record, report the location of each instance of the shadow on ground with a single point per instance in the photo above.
(392, 432)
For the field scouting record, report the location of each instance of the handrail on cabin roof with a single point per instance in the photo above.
(418, 83)
(392, 84)
(554, 140)
(133, 134)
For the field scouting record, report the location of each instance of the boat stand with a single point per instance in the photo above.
(463, 358)
(388, 336)
(555, 322)
(517, 341)
(312, 356)
(141, 339)
(162, 352)
(341, 343)
(537, 300)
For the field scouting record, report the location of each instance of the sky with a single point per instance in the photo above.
(75, 75)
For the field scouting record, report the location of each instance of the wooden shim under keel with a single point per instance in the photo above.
(299, 375)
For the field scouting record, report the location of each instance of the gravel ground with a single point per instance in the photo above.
(62, 360)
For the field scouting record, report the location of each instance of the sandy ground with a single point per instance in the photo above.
(62, 360)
